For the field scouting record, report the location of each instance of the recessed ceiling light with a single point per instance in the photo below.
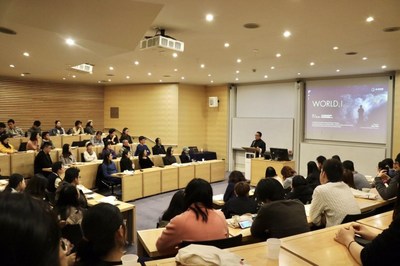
(160, 80)
(149, 74)
(298, 74)
(364, 58)
(265, 76)
(278, 55)
(174, 55)
(26, 54)
(369, 19)
(73, 76)
(70, 41)
(209, 75)
(175, 70)
(128, 77)
(238, 60)
(136, 62)
(237, 71)
(111, 68)
(384, 66)
(212, 81)
(182, 78)
(99, 81)
(236, 79)
(64, 78)
(312, 64)
(22, 74)
(272, 67)
(337, 70)
(202, 66)
(109, 80)
(209, 17)
(226, 45)
(287, 34)
(12, 66)
(335, 48)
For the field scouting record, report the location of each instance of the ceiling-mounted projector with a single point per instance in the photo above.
(160, 40)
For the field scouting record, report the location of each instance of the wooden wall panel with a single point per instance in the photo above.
(149, 110)
(26, 101)
(396, 117)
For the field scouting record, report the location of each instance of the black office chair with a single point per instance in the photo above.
(103, 183)
(354, 217)
(22, 146)
(219, 243)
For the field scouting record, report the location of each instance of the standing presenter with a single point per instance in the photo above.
(258, 143)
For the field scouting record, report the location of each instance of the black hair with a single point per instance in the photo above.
(33, 136)
(88, 123)
(99, 225)
(198, 194)
(388, 162)
(142, 138)
(336, 157)
(37, 186)
(169, 151)
(236, 176)
(13, 182)
(111, 130)
(65, 150)
(397, 158)
(2, 139)
(77, 122)
(298, 180)
(11, 121)
(88, 144)
(348, 178)
(56, 166)
(37, 123)
(105, 158)
(124, 129)
(44, 133)
(176, 206)
(348, 165)
(269, 189)
(321, 159)
(67, 197)
(333, 170)
(157, 141)
(55, 122)
(30, 233)
(46, 144)
(99, 133)
(2, 125)
(71, 174)
(259, 133)
(270, 172)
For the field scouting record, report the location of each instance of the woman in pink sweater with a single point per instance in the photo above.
(199, 222)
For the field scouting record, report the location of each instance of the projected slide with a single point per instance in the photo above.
(347, 110)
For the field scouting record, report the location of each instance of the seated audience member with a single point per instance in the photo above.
(43, 163)
(107, 149)
(389, 163)
(13, 130)
(66, 156)
(89, 128)
(287, 173)
(271, 173)
(348, 178)
(111, 137)
(33, 142)
(333, 199)
(384, 184)
(125, 147)
(72, 177)
(67, 207)
(30, 235)
(57, 130)
(158, 148)
(108, 168)
(37, 187)
(169, 158)
(78, 129)
(3, 130)
(96, 139)
(176, 207)
(234, 178)
(240, 204)
(55, 178)
(126, 163)
(16, 183)
(144, 160)
(313, 173)
(103, 240)
(142, 146)
(35, 128)
(277, 217)
(336, 157)
(301, 190)
(185, 156)
(5, 147)
(384, 247)
(199, 222)
(320, 161)
(125, 135)
(360, 181)
(46, 138)
(89, 155)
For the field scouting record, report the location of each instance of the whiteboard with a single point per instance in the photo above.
(277, 132)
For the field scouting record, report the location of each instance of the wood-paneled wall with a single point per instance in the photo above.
(26, 101)
(396, 117)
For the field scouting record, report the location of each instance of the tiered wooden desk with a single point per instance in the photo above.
(22, 163)
(5, 165)
(169, 178)
(379, 221)
(258, 166)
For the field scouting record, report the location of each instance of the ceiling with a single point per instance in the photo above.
(107, 34)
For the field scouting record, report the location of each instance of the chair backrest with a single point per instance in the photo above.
(82, 157)
(22, 146)
(354, 217)
(219, 243)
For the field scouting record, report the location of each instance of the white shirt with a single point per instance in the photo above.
(88, 157)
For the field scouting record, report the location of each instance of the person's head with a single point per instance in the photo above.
(198, 193)
(388, 162)
(348, 178)
(57, 123)
(36, 123)
(68, 196)
(311, 167)
(37, 186)
(236, 176)
(66, 150)
(103, 232)
(320, 161)
(269, 189)
(46, 135)
(89, 147)
(170, 151)
(99, 134)
(107, 159)
(125, 131)
(78, 123)
(348, 165)
(125, 142)
(176, 206)
(72, 175)
(336, 157)
(142, 140)
(298, 181)
(89, 123)
(33, 136)
(185, 150)
(2, 127)
(258, 135)
(397, 162)
(270, 172)
(108, 145)
(46, 147)
(111, 131)
(11, 123)
(287, 171)
(158, 141)
(332, 171)
(4, 139)
(242, 189)
(17, 182)
(30, 233)
(57, 168)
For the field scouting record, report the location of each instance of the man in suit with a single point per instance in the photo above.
(258, 143)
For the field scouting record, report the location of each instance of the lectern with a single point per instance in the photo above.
(250, 153)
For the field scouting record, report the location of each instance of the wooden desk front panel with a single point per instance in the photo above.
(135, 161)
(186, 174)
(169, 178)
(5, 165)
(88, 174)
(259, 165)
(57, 141)
(22, 163)
(15, 142)
(203, 171)
(132, 186)
(67, 139)
(151, 181)
(217, 170)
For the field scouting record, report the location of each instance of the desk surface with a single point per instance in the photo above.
(379, 221)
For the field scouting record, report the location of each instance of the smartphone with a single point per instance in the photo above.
(245, 224)
(363, 242)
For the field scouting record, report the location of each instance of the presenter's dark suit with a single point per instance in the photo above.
(259, 144)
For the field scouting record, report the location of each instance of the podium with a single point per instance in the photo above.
(250, 153)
